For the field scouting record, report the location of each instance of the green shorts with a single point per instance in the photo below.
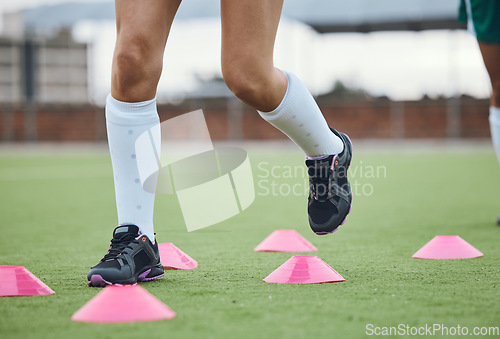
(482, 17)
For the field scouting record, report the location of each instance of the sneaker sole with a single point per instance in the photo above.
(335, 230)
(152, 273)
(97, 280)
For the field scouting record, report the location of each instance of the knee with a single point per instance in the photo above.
(135, 62)
(248, 80)
(127, 61)
(245, 85)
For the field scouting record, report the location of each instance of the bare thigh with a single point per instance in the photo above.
(142, 31)
(491, 57)
(248, 35)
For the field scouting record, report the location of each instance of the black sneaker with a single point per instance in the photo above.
(131, 258)
(330, 194)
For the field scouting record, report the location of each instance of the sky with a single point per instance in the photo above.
(401, 65)
(8, 6)
(16, 5)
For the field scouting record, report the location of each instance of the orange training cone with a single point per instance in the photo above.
(447, 247)
(304, 269)
(123, 304)
(285, 241)
(172, 258)
(18, 281)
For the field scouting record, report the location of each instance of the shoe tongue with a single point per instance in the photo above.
(318, 168)
(120, 231)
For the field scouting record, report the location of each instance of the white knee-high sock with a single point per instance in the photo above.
(124, 123)
(299, 117)
(495, 128)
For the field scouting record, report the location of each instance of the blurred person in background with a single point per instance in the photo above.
(248, 36)
(483, 21)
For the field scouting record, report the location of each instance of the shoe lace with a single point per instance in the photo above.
(118, 246)
(319, 182)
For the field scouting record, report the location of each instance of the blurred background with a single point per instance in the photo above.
(385, 69)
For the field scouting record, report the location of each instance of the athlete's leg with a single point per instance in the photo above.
(142, 31)
(248, 34)
(491, 57)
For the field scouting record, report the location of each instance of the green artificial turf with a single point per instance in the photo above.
(58, 212)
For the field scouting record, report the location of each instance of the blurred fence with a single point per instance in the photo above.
(227, 119)
(36, 72)
(44, 71)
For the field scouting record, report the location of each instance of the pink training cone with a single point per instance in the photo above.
(304, 269)
(123, 304)
(447, 247)
(285, 241)
(18, 281)
(172, 258)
